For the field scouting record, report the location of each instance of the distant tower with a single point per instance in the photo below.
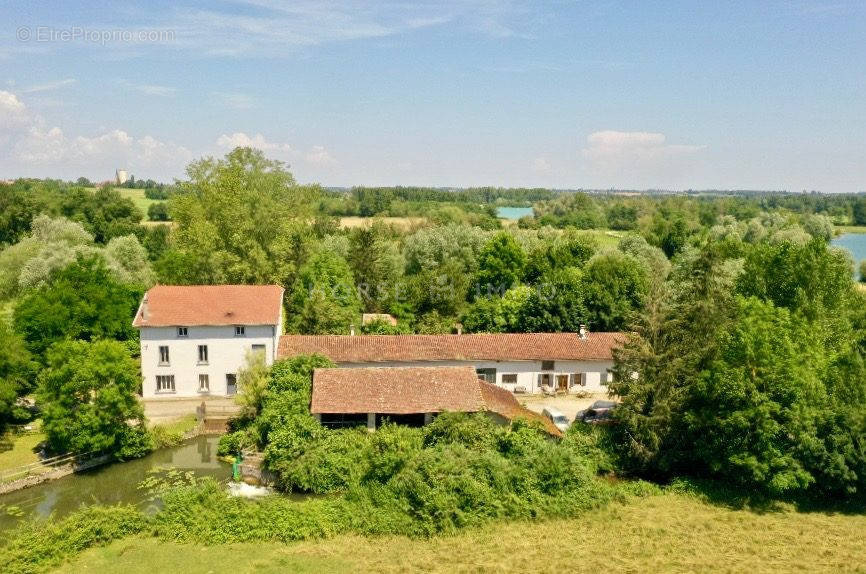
(120, 176)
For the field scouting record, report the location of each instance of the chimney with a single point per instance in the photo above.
(459, 328)
(352, 330)
(583, 332)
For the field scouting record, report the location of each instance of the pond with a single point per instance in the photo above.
(111, 484)
(513, 212)
(855, 243)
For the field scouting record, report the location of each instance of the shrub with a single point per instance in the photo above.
(39, 545)
(474, 431)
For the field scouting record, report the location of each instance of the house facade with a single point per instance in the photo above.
(195, 338)
(518, 362)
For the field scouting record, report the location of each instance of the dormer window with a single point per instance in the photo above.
(182, 332)
(240, 331)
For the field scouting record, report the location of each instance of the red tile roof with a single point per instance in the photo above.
(183, 305)
(411, 390)
(395, 390)
(485, 347)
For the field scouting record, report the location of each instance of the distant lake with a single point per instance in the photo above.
(513, 212)
(855, 243)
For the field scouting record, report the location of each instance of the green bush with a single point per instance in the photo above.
(39, 545)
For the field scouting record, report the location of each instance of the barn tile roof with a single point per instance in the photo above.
(412, 390)
(395, 390)
(185, 305)
(468, 347)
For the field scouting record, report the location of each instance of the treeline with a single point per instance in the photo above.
(640, 211)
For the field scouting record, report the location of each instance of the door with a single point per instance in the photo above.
(562, 382)
(231, 384)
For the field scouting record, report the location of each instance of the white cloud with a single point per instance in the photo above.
(638, 156)
(13, 113)
(540, 165)
(47, 87)
(258, 141)
(33, 145)
(318, 155)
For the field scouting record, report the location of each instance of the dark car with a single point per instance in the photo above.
(599, 412)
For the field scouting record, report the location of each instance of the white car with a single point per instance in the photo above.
(557, 418)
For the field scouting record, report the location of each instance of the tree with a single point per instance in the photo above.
(858, 210)
(500, 265)
(325, 300)
(376, 264)
(236, 219)
(497, 314)
(759, 404)
(158, 212)
(614, 285)
(17, 371)
(863, 271)
(87, 394)
(82, 302)
(253, 379)
(555, 304)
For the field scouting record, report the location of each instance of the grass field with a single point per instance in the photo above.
(840, 229)
(666, 533)
(404, 222)
(138, 198)
(18, 449)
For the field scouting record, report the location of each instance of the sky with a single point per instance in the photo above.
(563, 94)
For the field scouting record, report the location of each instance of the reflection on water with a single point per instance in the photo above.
(112, 484)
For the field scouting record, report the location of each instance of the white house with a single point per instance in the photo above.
(195, 338)
(519, 362)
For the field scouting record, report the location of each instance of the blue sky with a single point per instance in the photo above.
(759, 95)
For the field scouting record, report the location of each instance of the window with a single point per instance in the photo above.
(547, 365)
(182, 332)
(231, 384)
(488, 375)
(163, 355)
(577, 379)
(509, 379)
(203, 383)
(202, 354)
(240, 331)
(606, 378)
(259, 349)
(165, 383)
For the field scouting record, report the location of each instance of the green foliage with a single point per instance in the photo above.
(158, 212)
(324, 299)
(82, 302)
(43, 544)
(87, 394)
(556, 303)
(236, 220)
(500, 265)
(17, 374)
(253, 382)
(614, 285)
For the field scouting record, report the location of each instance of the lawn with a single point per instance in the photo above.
(17, 449)
(670, 533)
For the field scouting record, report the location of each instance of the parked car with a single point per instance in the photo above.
(557, 418)
(599, 412)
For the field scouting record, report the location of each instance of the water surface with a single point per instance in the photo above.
(513, 212)
(111, 484)
(855, 243)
